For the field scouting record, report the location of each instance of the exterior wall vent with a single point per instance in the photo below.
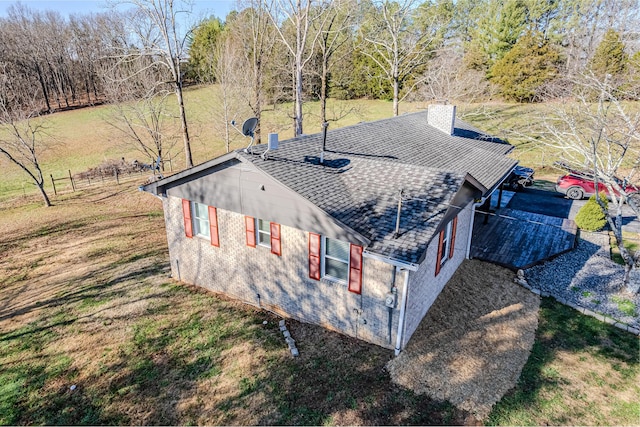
(442, 117)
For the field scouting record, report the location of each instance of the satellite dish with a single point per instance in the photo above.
(249, 126)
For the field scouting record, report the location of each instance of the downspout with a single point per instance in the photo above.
(403, 310)
(473, 218)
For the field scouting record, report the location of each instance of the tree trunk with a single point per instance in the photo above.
(396, 93)
(625, 278)
(45, 93)
(615, 223)
(47, 202)
(323, 91)
(298, 112)
(185, 130)
(257, 81)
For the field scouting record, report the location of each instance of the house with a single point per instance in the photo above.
(360, 237)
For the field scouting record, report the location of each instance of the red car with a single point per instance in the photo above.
(579, 186)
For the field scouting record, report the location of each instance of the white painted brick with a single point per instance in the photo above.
(283, 282)
(424, 285)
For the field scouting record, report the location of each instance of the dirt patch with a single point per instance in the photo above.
(472, 344)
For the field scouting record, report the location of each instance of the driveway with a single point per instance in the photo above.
(550, 203)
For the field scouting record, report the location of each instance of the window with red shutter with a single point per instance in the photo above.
(186, 214)
(441, 243)
(276, 247)
(250, 231)
(213, 226)
(355, 269)
(454, 226)
(314, 256)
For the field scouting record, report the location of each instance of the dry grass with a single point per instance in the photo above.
(85, 301)
(472, 344)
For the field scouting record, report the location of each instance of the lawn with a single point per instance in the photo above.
(629, 240)
(83, 138)
(93, 331)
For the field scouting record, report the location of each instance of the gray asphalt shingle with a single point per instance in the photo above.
(366, 166)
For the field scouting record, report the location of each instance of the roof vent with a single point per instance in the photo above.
(442, 117)
(271, 145)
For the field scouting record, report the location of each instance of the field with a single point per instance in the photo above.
(82, 138)
(93, 331)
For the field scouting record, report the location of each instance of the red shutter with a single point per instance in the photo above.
(250, 226)
(314, 256)
(186, 214)
(213, 226)
(276, 247)
(355, 269)
(453, 236)
(440, 249)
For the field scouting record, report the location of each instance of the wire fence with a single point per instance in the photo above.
(75, 182)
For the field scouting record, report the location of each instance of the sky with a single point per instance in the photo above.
(202, 8)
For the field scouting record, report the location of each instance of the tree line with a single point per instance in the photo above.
(265, 52)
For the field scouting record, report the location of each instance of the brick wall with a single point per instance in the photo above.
(281, 283)
(424, 285)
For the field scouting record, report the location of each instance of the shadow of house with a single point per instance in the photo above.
(360, 238)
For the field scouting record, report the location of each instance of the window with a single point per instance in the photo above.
(263, 233)
(446, 244)
(336, 259)
(201, 220)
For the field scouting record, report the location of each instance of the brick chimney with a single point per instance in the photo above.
(442, 117)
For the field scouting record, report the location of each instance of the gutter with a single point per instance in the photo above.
(396, 263)
(154, 194)
(403, 311)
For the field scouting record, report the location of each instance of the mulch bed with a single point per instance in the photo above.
(473, 343)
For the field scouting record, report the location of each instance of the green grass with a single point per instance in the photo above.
(626, 306)
(629, 240)
(598, 359)
(144, 351)
(83, 138)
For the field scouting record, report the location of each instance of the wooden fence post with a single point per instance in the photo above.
(53, 183)
(73, 186)
(115, 171)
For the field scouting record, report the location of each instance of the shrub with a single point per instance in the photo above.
(591, 216)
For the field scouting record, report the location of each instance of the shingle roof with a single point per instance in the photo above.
(366, 166)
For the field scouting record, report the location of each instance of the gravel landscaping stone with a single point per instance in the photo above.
(587, 278)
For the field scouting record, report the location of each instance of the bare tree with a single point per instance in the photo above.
(23, 133)
(301, 16)
(139, 106)
(601, 137)
(155, 24)
(145, 124)
(333, 35)
(227, 108)
(448, 78)
(399, 41)
(253, 37)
